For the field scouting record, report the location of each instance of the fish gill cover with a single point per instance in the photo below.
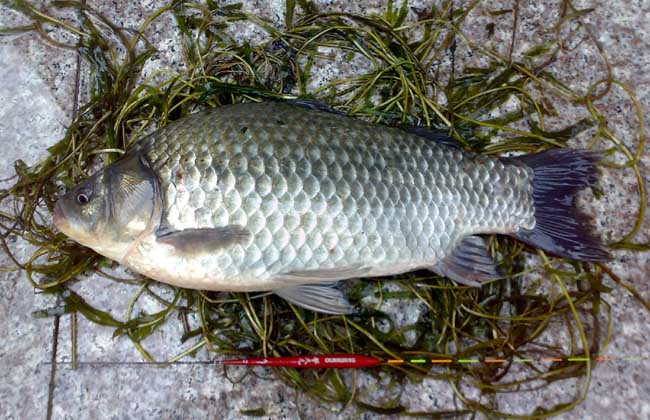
(401, 67)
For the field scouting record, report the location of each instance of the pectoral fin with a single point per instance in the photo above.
(323, 274)
(470, 263)
(206, 240)
(317, 297)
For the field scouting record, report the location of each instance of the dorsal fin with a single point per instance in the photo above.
(314, 105)
(433, 135)
(424, 132)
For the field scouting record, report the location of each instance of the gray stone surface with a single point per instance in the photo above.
(30, 119)
(37, 89)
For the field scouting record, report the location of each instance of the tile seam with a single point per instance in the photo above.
(55, 333)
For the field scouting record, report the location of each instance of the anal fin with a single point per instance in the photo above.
(324, 298)
(470, 263)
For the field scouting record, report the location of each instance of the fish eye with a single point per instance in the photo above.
(82, 198)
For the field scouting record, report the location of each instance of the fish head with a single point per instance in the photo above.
(110, 210)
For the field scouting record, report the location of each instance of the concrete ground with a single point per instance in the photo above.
(38, 89)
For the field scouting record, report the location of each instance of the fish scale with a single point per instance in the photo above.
(319, 190)
(285, 197)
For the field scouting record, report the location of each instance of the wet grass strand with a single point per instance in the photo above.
(402, 81)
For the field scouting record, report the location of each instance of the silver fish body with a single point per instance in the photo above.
(319, 190)
(267, 196)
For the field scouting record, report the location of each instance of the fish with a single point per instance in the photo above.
(291, 197)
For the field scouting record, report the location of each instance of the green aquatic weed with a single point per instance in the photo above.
(405, 73)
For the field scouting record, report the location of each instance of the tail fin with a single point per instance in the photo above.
(560, 228)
